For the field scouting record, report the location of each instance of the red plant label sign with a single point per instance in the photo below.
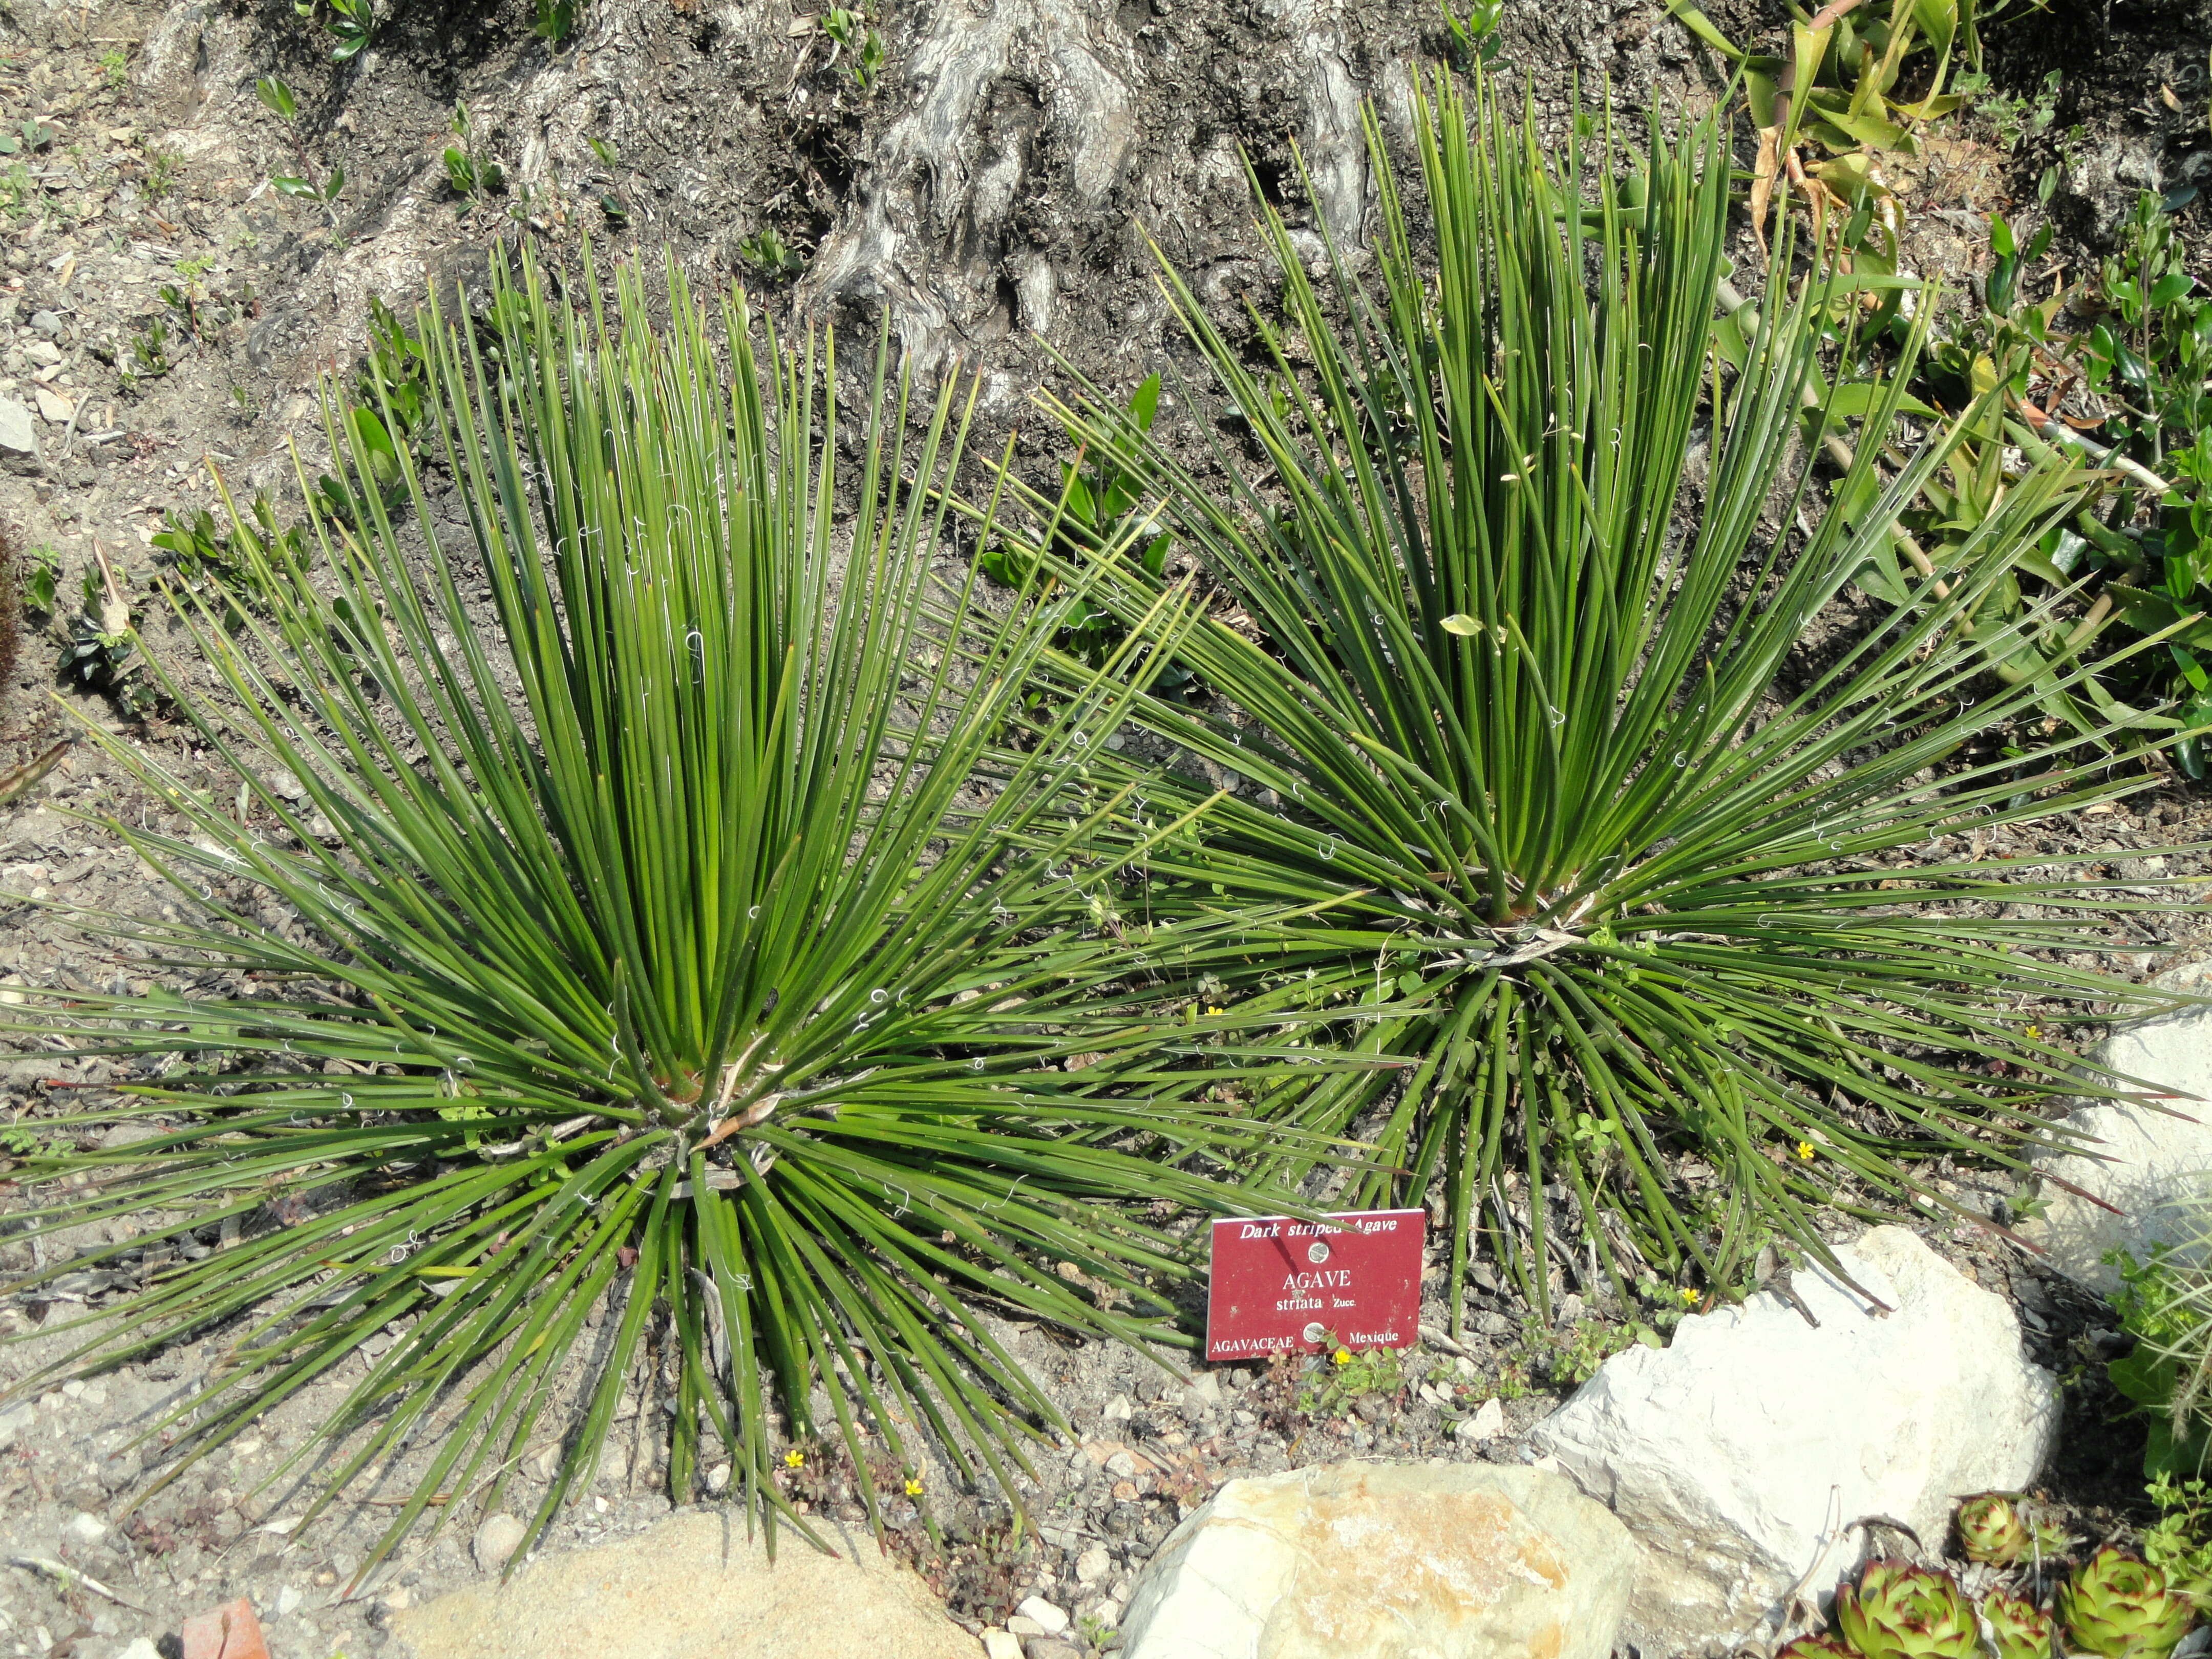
(1279, 1284)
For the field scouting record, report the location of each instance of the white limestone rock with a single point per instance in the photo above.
(1381, 1561)
(1741, 1455)
(2152, 1166)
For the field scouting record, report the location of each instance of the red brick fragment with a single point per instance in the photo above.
(229, 1631)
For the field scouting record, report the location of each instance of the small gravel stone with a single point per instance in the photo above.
(498, 1536)
(1487, 1422)
(85, 1527)
(1049, 1619)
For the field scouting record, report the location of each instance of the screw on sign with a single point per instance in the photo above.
(1279, 1283)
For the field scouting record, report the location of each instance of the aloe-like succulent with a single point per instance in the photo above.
(2118, 1606)
(2017, 1628)
(1992, 1529)
(1899, 1611)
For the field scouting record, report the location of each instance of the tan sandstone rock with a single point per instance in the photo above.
(1377, 1561)
(693, 1587)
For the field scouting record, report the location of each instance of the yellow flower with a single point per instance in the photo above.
(2035, 1034)
(914, 1486)
(794, 1459)
(1689, 1296)
(1210, 1012)
(1343, 1355)
(1805, 1151)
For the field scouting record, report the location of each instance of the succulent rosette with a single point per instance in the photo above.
(1899, 1611)
(1814, 1647)
(2017, 1628)
(1992, 1529)
(2118, 1606)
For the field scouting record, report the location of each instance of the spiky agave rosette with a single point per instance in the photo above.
(690, 937)
(1626, 884)
(1899, 1611)
(2118, 1606)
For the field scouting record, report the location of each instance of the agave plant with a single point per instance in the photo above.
(1899, 1611)
(675, 941)
(1659, 914)
(2118, 1606)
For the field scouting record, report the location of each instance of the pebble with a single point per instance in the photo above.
(1049, 1618)
(16, 431)
(497, 1538)
(85, 1527)
(288, 1600)
(1487, 1422)
(1001, 1644)
(1118, 1409)
(1093, 1565)
(46, 322)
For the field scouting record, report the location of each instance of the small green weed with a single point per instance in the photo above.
(2161, 1305)
(1575, 1355)
(114, 68)
(555, 21)
(28, 137)
(101, 650)
(42, 570)
(1344, 1376)
(150, 353)
(351, 24)
(199, 549)
(857, 41)
(1475, 38)
(767, 252)
(162, 170)
(1099, 511)
(2016, 117)
(310, 183)
(2180, 1542)
(472, 174)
